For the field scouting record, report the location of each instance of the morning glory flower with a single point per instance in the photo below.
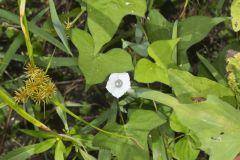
(118, 84)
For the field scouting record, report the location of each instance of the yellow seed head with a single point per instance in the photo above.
(38, 87)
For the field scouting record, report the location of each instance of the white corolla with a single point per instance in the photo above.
(118, 84)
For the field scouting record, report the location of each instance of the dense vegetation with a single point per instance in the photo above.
(119, 79)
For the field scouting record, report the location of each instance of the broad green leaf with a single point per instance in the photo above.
(162, 53)
(58, 26)
(176, 125)
(27, 151)
(10, 53)
(157, 27)
(97, 67)
(140, 123)
(158, 145)
(191, 31)
(235, 13)
(185, 150)
(104, 17)
(215, 123)
(104, 154)
(148, 72)
(59, 150)
(187, 87)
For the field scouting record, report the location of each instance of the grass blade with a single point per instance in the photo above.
(10, 53)
(58, 26)
(12, 104)
(39, 15)
(27, 151)
(34, 29)
(212, 70)
(43, 61)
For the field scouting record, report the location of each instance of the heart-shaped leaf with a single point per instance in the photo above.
(140, 123)
(216, 124)
(157, 27)
(185, 149)
(96, 67)
(104, 17)
(191, 31)
(187, 87)
(162, 53)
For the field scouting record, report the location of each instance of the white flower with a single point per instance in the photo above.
(118, 84)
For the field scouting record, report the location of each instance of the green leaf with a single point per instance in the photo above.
(59, 150)
(43, 61)
(186, 87)
(156, 96)
(104, 154)
(39, 134)
(104, 17)
(215, 123)
(162, 53)
(140, 123)
(27, 151)
(191, 31)
(12, 104)
(33, 28)
(212, 70)
(86, 156)
(157, 27)
(97, 67)
(185, 150)
(158, 145)
(10, 53)
(235, 13)
(58, 26)
(60, 112)
(148, 72)
(176, 125)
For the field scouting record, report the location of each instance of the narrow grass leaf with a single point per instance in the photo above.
(43, 61)
(212, 70)
(12, 104)
(58, 26)
(34, 29)
(10, 53)
(27, 151)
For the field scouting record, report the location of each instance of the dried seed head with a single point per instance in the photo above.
(38, 87)
(21, 95)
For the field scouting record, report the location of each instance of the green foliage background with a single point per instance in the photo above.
(183, 60)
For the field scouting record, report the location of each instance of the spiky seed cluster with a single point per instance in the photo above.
(233, 70)
(38, 87)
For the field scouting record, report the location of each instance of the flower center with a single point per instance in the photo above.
(118, 83)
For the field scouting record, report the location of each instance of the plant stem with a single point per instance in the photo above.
(85, 122)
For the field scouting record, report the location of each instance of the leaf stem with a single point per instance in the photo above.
(85, 122)
(24, 26)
